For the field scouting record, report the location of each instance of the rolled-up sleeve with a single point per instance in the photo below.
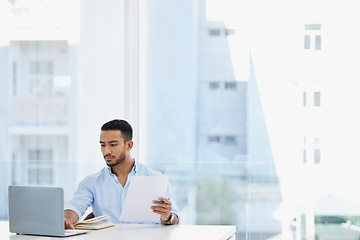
(82, 199)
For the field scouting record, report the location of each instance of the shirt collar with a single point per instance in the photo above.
(132, 170)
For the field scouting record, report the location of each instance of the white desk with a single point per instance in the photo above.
(139, 232)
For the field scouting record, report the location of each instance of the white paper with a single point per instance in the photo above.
(142, 191)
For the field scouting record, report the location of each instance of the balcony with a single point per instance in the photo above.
(44, 111)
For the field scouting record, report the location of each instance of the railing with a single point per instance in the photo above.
(40, 110)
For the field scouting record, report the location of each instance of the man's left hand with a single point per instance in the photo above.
(162, 207)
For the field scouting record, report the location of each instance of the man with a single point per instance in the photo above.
(106, 190)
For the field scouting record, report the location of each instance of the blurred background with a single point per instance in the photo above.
(250, 107)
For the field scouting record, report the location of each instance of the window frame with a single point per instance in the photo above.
(312, 37)
(132, 89)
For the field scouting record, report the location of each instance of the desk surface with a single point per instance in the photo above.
(139, 231)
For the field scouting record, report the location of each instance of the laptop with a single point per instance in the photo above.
(38, 211)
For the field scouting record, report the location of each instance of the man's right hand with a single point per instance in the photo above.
(68, 224)
(70, 218)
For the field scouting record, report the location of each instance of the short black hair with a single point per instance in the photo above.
(119, 124)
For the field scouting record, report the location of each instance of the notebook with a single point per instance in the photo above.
(38, 211)
(96, 223)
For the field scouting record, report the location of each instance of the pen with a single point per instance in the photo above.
(162, 202)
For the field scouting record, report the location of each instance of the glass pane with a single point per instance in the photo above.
(232, 156)
(214, 32)
(38, 86)
(41, 176)
(204, 135)
(306, 42)
(230, 85)
(229, 32)
(214, 85)
(312, 26)
(317, 156)
(247, 142)
(41, 67)
(48, 81)
(35, 129)
(40, 156)
(317, 42)
(317, 99)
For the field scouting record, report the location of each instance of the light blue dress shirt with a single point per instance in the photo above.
(105, 194)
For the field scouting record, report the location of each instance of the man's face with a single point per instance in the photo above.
(113, 147)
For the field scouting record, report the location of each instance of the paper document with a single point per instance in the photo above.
(142, 191)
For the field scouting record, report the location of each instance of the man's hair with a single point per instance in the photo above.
(122, 125)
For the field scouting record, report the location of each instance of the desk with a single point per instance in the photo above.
(139, 232)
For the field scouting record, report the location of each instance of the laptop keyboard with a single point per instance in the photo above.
(73, 232)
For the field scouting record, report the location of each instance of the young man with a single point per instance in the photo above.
(106, 190)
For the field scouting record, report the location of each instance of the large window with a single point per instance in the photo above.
(312, 38)
(249, 107)
(40, 167)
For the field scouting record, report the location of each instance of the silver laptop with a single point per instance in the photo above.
(38, 211)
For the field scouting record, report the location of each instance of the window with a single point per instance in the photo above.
(306, 42)
(40, 77)
(317, 99)
(214, 85)
(227, 139)
(214, 32)
(40, 167)
(41, 67)
(214, 139)
(312, 146)
(186, 101)
(221, 32)
(317, 42)
(317, 156)
(229, 32)
(230, 85)
(14, 74)
(38, 124)
(312, 27)
(230, 140)
(312, 37)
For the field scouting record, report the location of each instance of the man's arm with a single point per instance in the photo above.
(78, 205)
(70, 217)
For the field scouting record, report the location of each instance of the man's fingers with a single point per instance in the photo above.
(163, 214)
(68, 224)
(164, 200)
(161, 207)
(157, 202)
(160, 212)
